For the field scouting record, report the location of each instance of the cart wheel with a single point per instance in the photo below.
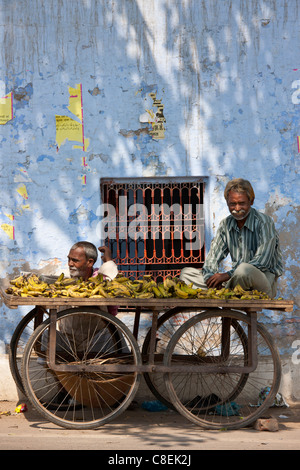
(81, 399)
(167, 325)
(19, 340)
(221, 400)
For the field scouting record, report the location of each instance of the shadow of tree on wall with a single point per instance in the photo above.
(222, 71)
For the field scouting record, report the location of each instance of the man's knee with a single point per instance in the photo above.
(249, 277)
(245, 270)
(190, 272)
(185, 271)
(192, 275)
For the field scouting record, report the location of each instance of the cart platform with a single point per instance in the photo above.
(12, 301)
(207, 358)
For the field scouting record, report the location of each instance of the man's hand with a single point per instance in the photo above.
(106, 253)
(217, 280)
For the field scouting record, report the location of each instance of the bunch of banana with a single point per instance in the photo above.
(32, 286)
(237, 293)
(121, 286)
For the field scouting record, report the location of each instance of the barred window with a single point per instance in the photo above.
(153, 227)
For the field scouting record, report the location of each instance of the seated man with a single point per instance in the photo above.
(81, 260)
(251, 240)
(82, 257)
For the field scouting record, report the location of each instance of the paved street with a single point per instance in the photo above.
(140, 430)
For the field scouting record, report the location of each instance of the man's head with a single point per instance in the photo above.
(239, 196)
(81, 259)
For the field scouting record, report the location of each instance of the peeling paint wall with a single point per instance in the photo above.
(226, 80)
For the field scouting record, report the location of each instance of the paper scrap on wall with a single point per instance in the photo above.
(22, 191)
(156, 119)
(71, 129)
(6, 108)
(67, 129)
(9, 230)
(75, 101)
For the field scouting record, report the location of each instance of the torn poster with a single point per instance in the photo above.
(156, 119)
(6, 108)
(22, 191)
(10, 216)
(9, 230)
(68, 128)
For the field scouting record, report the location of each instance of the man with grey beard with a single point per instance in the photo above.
(251, 240)
(82, 257)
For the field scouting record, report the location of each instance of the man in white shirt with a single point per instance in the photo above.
(74, 335)
(81, 259)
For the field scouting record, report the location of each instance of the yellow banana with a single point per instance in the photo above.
(169, 283)
(101, 291)
(189, 290)
(181, 293)
(95, 291)
(60, 278)
(163, 292)
(77, 294)
(31, 286)
(157, 292)
(121, 279)
(32, 293)
(19, 281)
(144, 295)
(120, 293)
(119, 288)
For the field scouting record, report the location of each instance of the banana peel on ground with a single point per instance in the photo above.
(121, 286)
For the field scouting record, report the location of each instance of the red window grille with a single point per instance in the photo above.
(154, 227)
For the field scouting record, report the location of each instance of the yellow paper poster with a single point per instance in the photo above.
(71, 129)
(6, 108)
(75, 102)
(68, 128)
(9, 230)
(158, 128)
(155, 119)
(22, 191)
(10, 216)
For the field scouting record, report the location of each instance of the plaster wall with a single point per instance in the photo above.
(228, 77)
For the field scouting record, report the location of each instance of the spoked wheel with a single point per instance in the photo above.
(227, 399)
(167, 325)
(19, 340)
(81, 399)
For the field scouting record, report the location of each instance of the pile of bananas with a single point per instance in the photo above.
(97, 287)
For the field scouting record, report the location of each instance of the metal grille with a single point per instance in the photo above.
(154, 227)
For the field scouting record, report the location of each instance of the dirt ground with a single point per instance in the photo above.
(139, 430)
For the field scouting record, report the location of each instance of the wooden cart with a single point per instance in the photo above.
(209, 359)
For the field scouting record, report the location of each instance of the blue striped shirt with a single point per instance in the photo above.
(257, 243)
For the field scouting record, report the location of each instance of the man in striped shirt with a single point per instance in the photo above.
(250, 238)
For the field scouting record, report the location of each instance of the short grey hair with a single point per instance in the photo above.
(89, 249)
(239, 185)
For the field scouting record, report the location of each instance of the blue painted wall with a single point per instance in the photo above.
(228, 75)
